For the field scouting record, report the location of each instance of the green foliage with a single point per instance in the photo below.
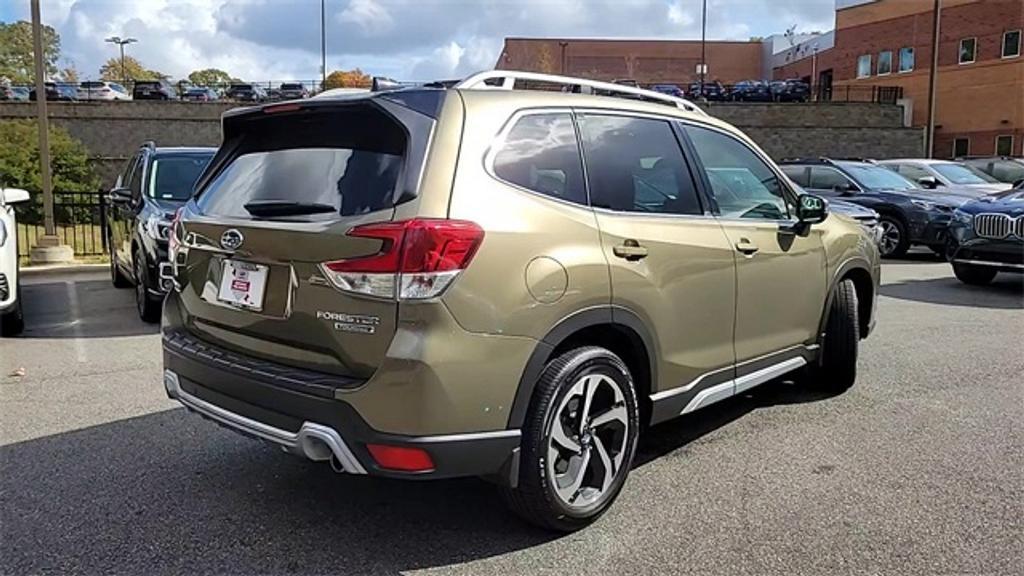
(19, 162)
(133, 70)
(209, 77)
(16, 58)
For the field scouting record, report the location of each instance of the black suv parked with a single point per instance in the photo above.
(790, 91)
(292, 91)
(713, 91)
(751, 91)
(246, 93)
(987, 237)
(154, 90)
(55, 91)
(153, 184)
(908, 215)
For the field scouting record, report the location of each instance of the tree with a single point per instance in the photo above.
(17, 62)
(19, 162)
(347, 79)
(209, 77)
(133, 70)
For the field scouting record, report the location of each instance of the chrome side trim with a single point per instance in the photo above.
(986, 263)
(743, 383)
(310, 441)
(664, 394)
(763, 375)
(467, 437)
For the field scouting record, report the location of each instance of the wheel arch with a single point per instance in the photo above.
(615, 328)
(859, 271)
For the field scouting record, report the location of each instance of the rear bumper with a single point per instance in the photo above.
(320, 427)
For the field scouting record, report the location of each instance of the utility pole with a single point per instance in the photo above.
(48, 248)
(120, 44)
(933, 73)
(563, 45)
(703, 45)
(323, 46)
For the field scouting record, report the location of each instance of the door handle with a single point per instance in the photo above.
(631, 250)
(747, 247)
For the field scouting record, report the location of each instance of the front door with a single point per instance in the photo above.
(671, 263)
(780, 275)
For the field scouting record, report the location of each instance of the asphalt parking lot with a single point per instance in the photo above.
(919, 469)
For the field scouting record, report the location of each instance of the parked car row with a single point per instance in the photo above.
(156, 90)
(745, 91)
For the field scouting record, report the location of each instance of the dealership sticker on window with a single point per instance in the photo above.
(242, 284)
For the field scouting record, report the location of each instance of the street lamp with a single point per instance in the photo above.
(120, 43)
(703, 42)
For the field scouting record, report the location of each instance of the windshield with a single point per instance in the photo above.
(963, 174)
(172, 177)
(874, 177)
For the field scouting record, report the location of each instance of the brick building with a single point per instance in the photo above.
(649, 61)
(980, 76)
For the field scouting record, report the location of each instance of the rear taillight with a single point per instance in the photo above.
(418, 258)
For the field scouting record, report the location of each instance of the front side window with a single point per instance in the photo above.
(874, 177)
(864, 66)
(136, 181)
(967, 49)
(1004, 145)
(884, 63)
(540, 153)
(636, 165)
(906, 59)
(1011, 44)
(827, 178)
(961, 147)
(742, 184)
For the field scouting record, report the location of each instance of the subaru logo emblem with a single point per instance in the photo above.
(231, 239)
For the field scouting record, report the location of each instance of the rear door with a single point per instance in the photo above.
(277, 206)
(671, 264)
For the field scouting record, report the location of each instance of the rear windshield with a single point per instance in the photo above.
(347, 159)
(172, 177)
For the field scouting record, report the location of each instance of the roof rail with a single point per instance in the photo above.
(508, 78)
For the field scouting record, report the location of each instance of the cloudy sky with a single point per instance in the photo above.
(405, 39)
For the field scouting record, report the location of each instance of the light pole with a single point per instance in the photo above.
(323, 47)
(929, 143)
(120, 43)
(703, 42)
(563, 45)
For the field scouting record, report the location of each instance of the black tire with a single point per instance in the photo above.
(837, 369)
(895, 237)
(13, 322)
(974, 275)
(536, 498)
(116, 277)
(148, 307)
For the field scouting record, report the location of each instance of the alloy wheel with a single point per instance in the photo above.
(891, 237)
(588, 441)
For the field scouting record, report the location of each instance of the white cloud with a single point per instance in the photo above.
(406, 39)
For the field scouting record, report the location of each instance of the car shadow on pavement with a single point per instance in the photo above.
(169, 493)
(678, 433)
(81, 309)
(1005, 292)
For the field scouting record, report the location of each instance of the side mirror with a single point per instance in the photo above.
(811, 209)
(928, 182)
(13, 195)
(120, 195)
(844, 189)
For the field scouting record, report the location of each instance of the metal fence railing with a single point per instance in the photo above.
(276, 90)
(80, 219)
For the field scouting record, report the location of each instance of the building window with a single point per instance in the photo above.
(1011, 44)
(864, 66)
(961, 147)
(967, 49)
(884, 63)
(1004, 145)
(906, 59)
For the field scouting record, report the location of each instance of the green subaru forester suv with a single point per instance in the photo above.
(499, 279)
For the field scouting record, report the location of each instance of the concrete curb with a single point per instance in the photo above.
(61, 269)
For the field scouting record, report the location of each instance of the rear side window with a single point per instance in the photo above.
(309, 165)
(636, 165)
(540, 153)
(172, 177)
(798, 174)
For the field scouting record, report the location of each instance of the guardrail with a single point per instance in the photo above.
(80, 219)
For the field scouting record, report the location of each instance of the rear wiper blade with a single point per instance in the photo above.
(287, 208)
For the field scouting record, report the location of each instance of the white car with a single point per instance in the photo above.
(12, 322)
(931, 173)
(96, 90)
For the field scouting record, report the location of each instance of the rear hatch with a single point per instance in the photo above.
(277, 204)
